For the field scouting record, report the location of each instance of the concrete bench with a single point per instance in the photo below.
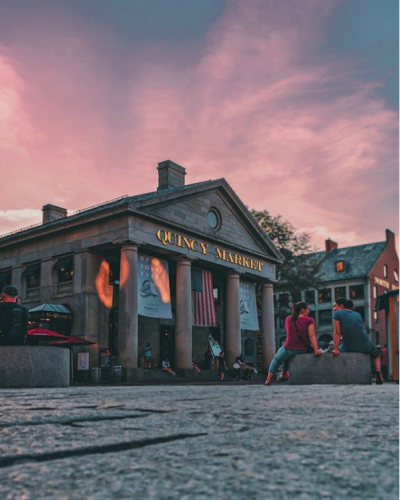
(34, 367)
(347, 368)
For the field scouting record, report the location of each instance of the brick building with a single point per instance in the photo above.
(360, 273)
(91, 262)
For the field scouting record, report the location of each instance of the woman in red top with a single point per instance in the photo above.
(300, 329)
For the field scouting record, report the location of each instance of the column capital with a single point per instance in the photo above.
(233, 274)
(267, 284)
(129, 245)
(184, 260)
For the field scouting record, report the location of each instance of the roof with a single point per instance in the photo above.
(141, 201)
(358, 261)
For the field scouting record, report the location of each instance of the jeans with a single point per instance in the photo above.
(282, 356)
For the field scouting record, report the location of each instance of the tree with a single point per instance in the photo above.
(299, 271)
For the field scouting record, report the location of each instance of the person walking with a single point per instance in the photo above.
(300, 330)
(384, 362)
(13, 318)
(222, 365)
(147, 356)
(349, 329)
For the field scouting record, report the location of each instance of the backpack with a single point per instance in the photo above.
(13, 324)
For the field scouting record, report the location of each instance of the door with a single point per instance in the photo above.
(167, 344)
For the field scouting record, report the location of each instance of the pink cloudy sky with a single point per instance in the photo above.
(290, 101)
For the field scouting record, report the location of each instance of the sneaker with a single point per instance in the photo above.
(379, 378)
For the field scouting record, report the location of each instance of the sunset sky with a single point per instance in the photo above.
(294, 102)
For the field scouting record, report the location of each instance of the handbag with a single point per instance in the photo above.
(309, 347)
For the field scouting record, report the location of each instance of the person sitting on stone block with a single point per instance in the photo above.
(196, 367)
(350, 329)
(300, 329)
(167, 367)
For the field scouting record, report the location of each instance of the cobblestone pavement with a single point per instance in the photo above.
(200, 442)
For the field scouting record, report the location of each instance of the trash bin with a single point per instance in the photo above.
(96, 375)
(116, 374)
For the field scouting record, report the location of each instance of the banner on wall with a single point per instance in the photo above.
(248, 306)
(154, 297)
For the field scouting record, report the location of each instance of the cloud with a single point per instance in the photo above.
(293, 130)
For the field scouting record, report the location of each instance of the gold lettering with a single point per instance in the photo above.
(179, 242)
(204, 248)
(230, 258)
(220, 254)
(245, 262)
(186, 242)
(382, 282)
(163, 238)
(238, 259)
(260, 266)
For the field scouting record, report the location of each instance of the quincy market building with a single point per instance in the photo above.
(170, 267)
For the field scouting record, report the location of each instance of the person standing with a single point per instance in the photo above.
(13, 318)
(300, 329)
(222, 365)
(349, 328)
(147, 356)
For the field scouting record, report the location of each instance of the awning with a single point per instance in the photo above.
(4, 275)
(31, 270)
(382, 301)
(63, 263)
(54, 308)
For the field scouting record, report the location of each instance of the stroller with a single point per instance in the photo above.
(244, 371)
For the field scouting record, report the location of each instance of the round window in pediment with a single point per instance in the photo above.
(213, 218)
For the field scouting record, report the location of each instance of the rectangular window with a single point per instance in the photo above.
(310, 296)
(324, 296)
(375, 292)
(312, 315)
(385, 271)
(357, 292)
(32, 275)
(325, 317)
(339, 266)
(340, 292)
(65, 269)
(376, 317)
(282, 322)
(396, 276)
(361, 312)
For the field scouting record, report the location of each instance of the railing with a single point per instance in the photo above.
(76, 212)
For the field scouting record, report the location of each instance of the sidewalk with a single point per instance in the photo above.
(198, 442)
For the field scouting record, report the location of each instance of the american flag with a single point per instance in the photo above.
(203, 304)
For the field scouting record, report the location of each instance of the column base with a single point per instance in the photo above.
(132, 374)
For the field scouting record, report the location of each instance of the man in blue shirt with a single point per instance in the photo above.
(349, 326)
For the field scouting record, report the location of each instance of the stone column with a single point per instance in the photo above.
(233, 344)
(128, 311)
(183, 322)
(267, 325)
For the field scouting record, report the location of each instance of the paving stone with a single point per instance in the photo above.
(200, 442)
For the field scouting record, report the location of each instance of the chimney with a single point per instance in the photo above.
(390, 238)
(170, 175)
(52, 212)
(330, 245)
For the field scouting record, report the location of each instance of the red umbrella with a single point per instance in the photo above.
(71, 340)
(45, 334)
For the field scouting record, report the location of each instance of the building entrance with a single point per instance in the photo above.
(167, 344)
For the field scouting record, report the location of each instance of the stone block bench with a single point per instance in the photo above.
(347, 368)
(34, 367)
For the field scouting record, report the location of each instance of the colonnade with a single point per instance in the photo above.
(128, 314)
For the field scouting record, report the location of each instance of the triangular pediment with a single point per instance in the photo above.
(189, 207)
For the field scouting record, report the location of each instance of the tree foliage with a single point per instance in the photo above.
(299, 271)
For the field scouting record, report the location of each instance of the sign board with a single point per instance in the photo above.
(83, 361)
(104, 358)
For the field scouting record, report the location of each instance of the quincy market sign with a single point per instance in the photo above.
(168, 238)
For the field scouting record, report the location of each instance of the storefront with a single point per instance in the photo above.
(169, 267)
